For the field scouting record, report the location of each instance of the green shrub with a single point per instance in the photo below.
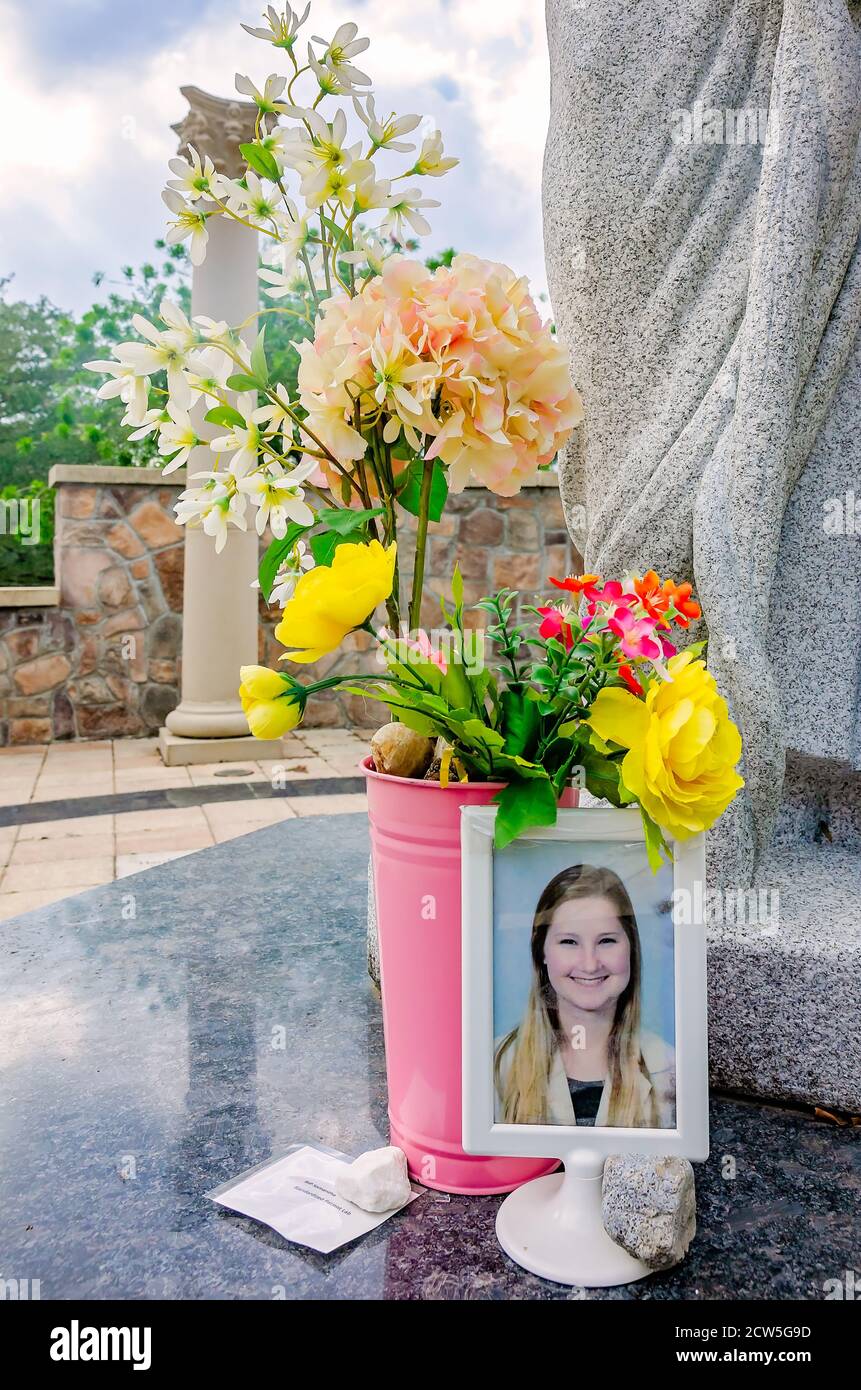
(21, 561)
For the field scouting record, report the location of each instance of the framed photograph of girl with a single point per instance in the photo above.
(584, 990)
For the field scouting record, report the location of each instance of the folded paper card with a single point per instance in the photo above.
(296, 1196)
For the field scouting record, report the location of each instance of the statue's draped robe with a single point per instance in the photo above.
(710, 294)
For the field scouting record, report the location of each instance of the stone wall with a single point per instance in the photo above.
(103, 663)
(104, 660)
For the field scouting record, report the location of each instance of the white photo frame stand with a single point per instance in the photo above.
(553, 1226)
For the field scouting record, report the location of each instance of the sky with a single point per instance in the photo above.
(90, 88)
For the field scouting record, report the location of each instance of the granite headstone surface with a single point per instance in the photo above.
(164, 1033)
(702, 208)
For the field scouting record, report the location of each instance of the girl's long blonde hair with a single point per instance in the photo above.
(535, 1042)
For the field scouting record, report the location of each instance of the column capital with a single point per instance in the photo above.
(216, 126)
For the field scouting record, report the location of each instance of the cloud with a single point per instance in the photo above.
(93, 110)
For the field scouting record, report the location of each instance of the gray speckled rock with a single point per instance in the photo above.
(710, 294)
(649, 1207)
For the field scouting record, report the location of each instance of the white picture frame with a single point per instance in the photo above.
(482, 1133)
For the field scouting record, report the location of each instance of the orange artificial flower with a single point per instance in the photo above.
(679, 595)
(649, 592)
(576, 584)
(627, 674)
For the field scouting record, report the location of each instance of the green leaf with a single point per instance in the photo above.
(520, 722)
(519, 768)
(543, 675)
(259, 365)
(657, 849)
(456, 685)
(324, 545)
(602, 775)
(339, 238)
(240, 382)
(457, 589)
(523, 805)
(275, 556)
(419, 723)
(225, 415)
(475, 732)
(261, 161)
(343, 520)
(409, 492)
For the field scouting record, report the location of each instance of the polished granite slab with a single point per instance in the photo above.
(161, 1034)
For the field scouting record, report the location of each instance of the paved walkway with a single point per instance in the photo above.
(88, 836)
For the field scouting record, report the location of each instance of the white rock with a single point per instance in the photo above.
(375, 1181)
(650, 1207)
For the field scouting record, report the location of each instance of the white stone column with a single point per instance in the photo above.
(219, 605)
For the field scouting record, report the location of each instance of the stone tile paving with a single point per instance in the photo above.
(44, 861)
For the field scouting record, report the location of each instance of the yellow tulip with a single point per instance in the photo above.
(682, 745)
(268, 707)
(331, 600)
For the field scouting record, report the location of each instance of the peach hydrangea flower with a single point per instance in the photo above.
(457, 360)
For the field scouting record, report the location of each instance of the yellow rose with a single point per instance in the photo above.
(267, 704)
(683, 746)
(330, 600)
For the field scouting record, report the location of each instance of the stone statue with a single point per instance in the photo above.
(702, 208)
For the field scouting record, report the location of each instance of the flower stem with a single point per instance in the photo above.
(421, 545)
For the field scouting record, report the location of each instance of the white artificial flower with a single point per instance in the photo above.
(289, 572)
(177, 436)
(431, 162)
(251, 198)
(267, 100)
(282, 282)
(403, 207)
(213, 330)
(244, 444)
(322, 146)
(282, 29)
(330, 84)
(343, 47)
(371, 192)
(368, 250)
(190, 222)
(129, 385)
(195, 179)
(285, 254)
(214, 507)
(152, 420)
(278, 497)
(276, 414)
(329, 185)
(274, 142)
(385, 135)
(171, 314)
(163, 352)
(207, 372)
(395, 369)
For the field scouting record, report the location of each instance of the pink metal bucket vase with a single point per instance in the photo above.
(415, 841)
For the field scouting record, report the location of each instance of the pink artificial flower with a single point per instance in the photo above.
(635, 634)
(556, 624)
(424, 648)
(612, 592)
(612, 595)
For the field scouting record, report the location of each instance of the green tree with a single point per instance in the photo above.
(49, 408)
